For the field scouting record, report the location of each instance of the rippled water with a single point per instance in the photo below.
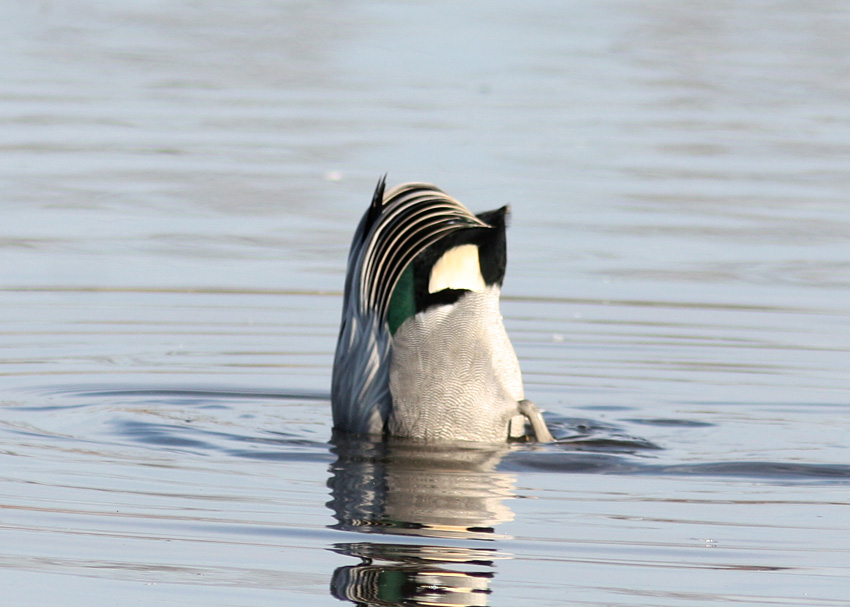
(180, 182)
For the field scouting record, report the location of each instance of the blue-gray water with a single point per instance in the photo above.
(179, 182)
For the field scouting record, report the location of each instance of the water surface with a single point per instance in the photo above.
(180, 183)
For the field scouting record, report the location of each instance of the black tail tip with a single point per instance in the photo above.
(377, 201)
(378, 196)
(498, 218)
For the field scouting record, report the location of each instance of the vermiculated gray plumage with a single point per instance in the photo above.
(449, 372)
(454, 374)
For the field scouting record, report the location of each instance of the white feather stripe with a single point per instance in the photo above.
(400, 262)
(404, 229)
(458, 268)
(395, 226)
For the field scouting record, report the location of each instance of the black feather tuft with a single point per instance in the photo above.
(377, 202)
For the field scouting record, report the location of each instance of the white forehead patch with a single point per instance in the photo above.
(458, 268)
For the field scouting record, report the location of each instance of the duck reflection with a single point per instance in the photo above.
(404, 488)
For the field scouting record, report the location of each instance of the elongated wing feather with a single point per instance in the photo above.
(397, 227)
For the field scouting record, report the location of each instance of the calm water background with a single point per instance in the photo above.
(180, 181)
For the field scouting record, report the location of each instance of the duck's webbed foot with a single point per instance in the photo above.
(529, 413)
(538, 425)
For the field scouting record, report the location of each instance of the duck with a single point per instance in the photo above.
(422, 351)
